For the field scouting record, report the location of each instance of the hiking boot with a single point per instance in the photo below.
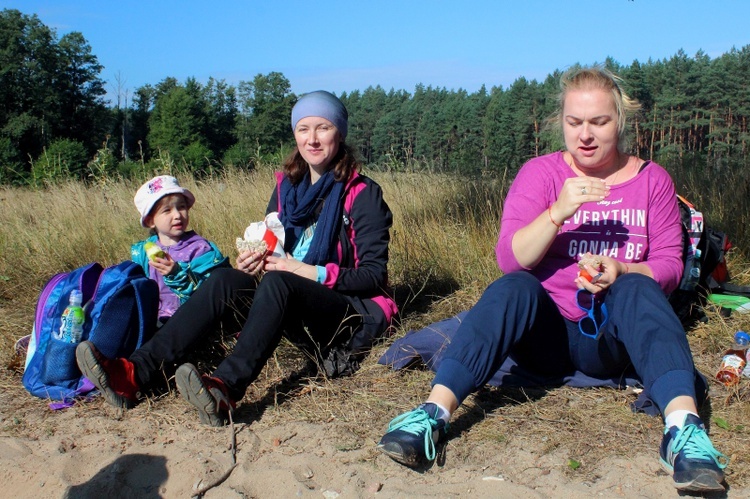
(207, 394)
(412, 436)
(114, 378)
(688, 454)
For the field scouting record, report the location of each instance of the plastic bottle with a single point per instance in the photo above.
(71, 329)
(734, 360)
(695, 270)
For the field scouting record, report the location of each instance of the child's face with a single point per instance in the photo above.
(169, 218)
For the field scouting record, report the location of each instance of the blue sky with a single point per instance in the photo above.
(350, 45)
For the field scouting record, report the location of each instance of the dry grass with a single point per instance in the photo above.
(441, 259)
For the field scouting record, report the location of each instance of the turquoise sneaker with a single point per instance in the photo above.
(689, 455)
(412, 436)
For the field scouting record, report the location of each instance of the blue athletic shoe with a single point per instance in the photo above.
(412, 436)
(688, 454)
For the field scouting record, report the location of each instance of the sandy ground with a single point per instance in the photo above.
(159, 449)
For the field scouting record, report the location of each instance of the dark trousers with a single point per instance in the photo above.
(281, 304)
(516, 314)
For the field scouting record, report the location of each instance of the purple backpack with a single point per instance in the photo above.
(121, 306)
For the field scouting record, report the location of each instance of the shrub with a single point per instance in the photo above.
(63, 159)
(198, 157)
(238, 156)
(10, 167)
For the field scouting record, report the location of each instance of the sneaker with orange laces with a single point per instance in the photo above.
(115, 378)
(207, 394)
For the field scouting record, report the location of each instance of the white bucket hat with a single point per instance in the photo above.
(155, 189)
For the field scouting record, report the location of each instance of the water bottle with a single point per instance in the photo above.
(734, 360)
(695, 270)
(71, 329)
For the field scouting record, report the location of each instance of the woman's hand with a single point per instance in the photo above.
(603, 277)
(575, 192)
(289, 264)
(531, 243)
(250, 262)
(164, 265)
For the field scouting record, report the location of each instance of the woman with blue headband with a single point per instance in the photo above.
(330, 293)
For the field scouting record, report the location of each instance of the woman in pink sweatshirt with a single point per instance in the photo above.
(590, 245)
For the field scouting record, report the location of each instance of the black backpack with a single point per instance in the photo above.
(704, 250)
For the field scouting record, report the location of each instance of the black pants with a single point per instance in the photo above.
(281, 304)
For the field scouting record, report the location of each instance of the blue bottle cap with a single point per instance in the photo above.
(742, 338)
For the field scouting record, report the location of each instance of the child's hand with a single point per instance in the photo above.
(164, 265)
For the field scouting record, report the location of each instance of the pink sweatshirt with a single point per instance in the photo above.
(638, 222)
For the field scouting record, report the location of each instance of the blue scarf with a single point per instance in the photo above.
(299, 204)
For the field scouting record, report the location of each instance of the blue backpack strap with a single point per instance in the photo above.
(125, 309)
(147, 301)
(128, 308)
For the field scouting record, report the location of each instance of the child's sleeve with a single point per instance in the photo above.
(189, 275)
(138, 255)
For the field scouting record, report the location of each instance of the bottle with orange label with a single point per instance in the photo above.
(734, 360)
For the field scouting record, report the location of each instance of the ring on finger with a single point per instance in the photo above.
(583, 190)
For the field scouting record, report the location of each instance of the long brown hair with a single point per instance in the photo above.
(295, 167)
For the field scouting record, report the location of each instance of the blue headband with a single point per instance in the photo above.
(324, 105)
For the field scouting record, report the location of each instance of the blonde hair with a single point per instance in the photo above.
(598, 78)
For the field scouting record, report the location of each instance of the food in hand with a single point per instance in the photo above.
(591, 261)
(153, 251)
(255, 245)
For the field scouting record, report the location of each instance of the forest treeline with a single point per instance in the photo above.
(55, 123)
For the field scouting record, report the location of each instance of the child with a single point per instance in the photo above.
(180, 260)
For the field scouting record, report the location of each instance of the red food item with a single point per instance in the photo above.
(585, 275)
(592, 261)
